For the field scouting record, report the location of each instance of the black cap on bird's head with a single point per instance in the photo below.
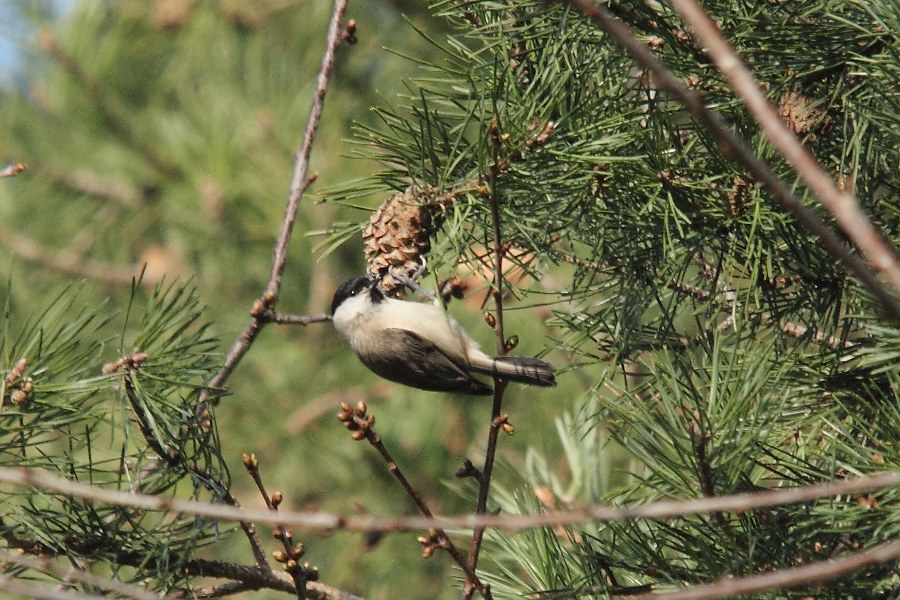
(355, 286)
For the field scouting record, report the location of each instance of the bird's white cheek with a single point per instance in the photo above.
(342, 320)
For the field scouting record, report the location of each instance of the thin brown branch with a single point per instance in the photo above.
(707, 479)
(219, 591)
(292, 552)
(299, 182)
(732, 147)
(44, 564)
(484, 481)
(362, 425)
(664, 509)
(257, 578)
(286, 319)
(813, 573)
(844, 206)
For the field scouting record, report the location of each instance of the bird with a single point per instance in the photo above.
(420, 345)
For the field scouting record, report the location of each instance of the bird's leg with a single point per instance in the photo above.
(411, 282)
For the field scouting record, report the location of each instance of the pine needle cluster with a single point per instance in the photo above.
(127, 425)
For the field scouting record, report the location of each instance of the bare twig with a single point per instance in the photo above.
(664, 509)
(292, 552)
(484, 481)
(813, 573)
(265, 304)
(362, 424)
(734, 148)
(219, 591)
(70, 573)
(843, 205)
(257, 577)
(286, 319)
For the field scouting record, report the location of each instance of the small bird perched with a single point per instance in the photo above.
(420, 345)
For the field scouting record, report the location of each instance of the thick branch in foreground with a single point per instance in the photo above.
(733, 148)
(664, 509)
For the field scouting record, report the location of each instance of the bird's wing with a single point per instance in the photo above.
(422, 364)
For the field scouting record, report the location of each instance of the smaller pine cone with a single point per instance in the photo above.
(798, 112)
(397, 236)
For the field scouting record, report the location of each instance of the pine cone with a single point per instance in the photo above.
(397, 236)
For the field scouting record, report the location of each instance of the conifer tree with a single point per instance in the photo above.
(710, 344)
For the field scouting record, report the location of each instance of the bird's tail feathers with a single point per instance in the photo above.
(517, 368)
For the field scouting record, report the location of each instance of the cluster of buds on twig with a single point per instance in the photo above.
(737, 195)
(349, 34)
(292, 552)
(357, 420)
(543, 133)
(16, 385)
(503, 423)
(129, 363)
(430, 543)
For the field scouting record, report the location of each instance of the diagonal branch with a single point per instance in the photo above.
(362, 424)
(734, 148)
(264, 306)
(845, 207)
